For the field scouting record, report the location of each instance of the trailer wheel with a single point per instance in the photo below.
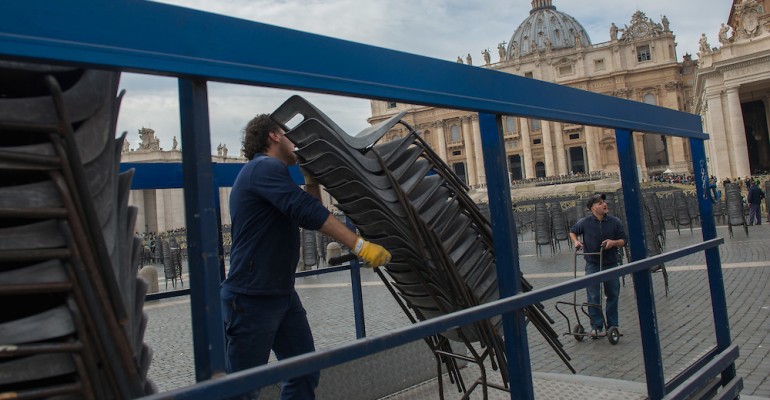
(578, 332)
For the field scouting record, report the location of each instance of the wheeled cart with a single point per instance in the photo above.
(578, 331)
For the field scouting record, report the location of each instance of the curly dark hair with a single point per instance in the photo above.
(255, 135)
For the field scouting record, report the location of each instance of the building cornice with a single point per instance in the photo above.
(728, 65)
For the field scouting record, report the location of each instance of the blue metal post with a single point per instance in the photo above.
(645, 296)
(201, 218)
(358, 297)
(713, 260)
(506, 253)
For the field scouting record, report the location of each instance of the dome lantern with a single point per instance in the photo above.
(545, 29)
(541, 5)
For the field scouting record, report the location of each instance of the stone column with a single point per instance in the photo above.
(640, 156)
(592, 148)
(561, 152)
(440, 140)
(526, 146)
(547, 147)
(720, 157)
(160, 206)
(740, 151)
(136, 198)
(224, 205)
(481, 177)
(470, 164)
(676, 154)
(150, 210)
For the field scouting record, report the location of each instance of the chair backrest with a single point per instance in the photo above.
(734, 204)
(542, 224)
(682, 210)
(168, 261)
(559, 223)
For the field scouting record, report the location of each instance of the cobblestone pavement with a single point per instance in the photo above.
(684, 316)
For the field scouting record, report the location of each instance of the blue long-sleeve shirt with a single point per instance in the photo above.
(595, 232)
(267, 208)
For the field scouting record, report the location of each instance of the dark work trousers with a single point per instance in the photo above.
(254, 325)
(611, 291)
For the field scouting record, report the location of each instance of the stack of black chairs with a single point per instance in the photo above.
(72, 321)
(653, 229)
(694, 207)
(402, 196)
(736, 215)
(682, 208)
(658, 223)
(669, 210)
(542, 228)
(560, 226)
(171, 259)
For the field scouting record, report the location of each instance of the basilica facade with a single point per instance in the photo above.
(732, 92)
(637, 61)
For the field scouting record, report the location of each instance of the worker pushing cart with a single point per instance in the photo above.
(602, 236)
(578, 330)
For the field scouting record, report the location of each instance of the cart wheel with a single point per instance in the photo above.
(578, 332)
(613, 335)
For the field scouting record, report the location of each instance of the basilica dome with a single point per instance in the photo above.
(546, 27)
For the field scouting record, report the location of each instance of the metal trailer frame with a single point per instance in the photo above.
(198, 47)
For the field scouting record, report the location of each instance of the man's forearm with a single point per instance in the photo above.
(339, 231)
(314, 189)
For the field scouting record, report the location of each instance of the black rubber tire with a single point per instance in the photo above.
(578, 332)
(613, 335)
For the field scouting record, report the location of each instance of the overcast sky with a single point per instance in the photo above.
(443, 29)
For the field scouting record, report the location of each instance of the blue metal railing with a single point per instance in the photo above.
(199, 47)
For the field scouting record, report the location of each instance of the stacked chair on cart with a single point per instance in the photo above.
(72, 322)
(402, 196)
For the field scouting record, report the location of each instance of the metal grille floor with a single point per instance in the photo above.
(547, 386)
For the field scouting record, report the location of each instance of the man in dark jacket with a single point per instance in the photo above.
(260, 306)
(600, 232)
(754, 198)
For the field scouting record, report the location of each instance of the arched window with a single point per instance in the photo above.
(510, 124)
(455, 135)
(540, 169)
(611, 155)
(649, 98)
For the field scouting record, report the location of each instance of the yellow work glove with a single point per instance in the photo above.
(372, 253)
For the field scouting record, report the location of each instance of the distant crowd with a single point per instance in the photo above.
(684, 179)
(566, 178)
